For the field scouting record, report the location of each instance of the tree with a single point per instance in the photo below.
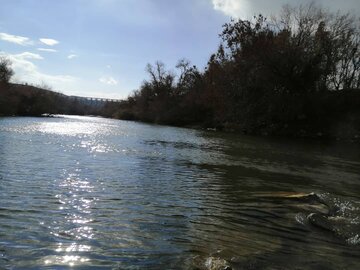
(6, 71)
(328, 42)
(160, 78)
(189, 76)
(267, 76)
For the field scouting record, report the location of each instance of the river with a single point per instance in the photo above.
(94, 193)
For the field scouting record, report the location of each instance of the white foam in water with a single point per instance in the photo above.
(300, 218)
(354, 240)
(213, 263)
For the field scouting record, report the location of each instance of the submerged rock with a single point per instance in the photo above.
(343, 227)
(313, 208)
(324, 211)
(299, 201)
(343, 219)
(211, 263)
(321, 221)
(214, 263)
(289, 195)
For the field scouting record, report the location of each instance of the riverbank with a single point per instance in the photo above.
(299, 81)
(328, 115)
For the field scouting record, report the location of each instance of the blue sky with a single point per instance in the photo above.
(100, 48)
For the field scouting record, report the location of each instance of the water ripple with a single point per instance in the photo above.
(93, 193)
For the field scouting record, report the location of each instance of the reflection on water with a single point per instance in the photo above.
(75, 203)
(93, 193)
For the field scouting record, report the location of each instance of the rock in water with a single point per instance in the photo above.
(343, 227)
(321, 221)
(213, 263)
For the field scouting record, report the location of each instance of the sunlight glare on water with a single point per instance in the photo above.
(76, 126)
(75, 203)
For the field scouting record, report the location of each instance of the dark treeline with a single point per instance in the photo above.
(296, 74)
(28, 100)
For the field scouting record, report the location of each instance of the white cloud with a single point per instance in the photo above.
(26, 71)
(108, 80)
(46, 50)
(29, 55)
(23, 41)
(233, 8)
(72, 56)
(245, 9)
(49, 41)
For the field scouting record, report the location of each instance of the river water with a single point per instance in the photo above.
(94, 193)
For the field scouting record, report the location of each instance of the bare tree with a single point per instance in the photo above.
(332, 39)
(160, 78)
(345, 50)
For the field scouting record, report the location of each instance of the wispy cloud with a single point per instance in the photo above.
(72, 56)
(28, 55)
(108, 80)
(23, 41)
(27, 71)
(49, 41)
(233, 8)
(46, 50)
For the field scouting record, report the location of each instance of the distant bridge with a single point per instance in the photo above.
(93, 101)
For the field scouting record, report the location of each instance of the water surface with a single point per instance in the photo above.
(94, 193)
